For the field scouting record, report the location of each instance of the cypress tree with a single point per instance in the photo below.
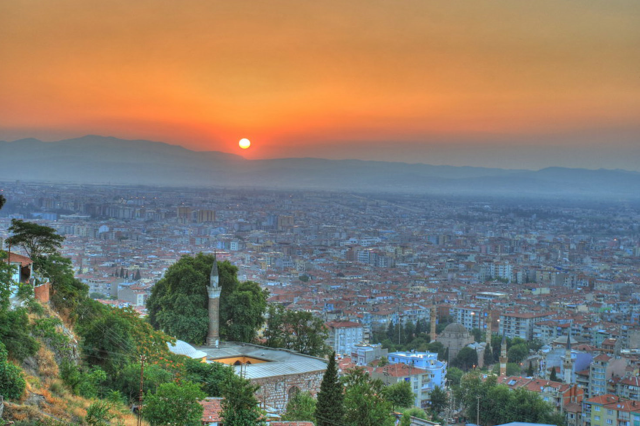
(553, 377)
(530, 370)
(330, 406)
(488, 356)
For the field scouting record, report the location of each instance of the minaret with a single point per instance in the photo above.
(567, 363)
(213, 290)
(433, 319)
(503, 356)
(488, 323)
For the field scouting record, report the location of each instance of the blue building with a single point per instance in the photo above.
(436, 370)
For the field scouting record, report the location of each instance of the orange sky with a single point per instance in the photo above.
(493, 83)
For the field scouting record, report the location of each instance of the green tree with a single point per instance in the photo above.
(364, 402)
(212, 376)
(296, 330)
(12, 382)
(245, 312)
(108, 342)
(330, 405)
(240, 406)
(301, 407)
(2, 201)
(67, 292)
(128, 381)
(530, 370)
(466, 359)
(517, 353)
(399, 394)
(179, 302)
(487, 356)
(553, 376)
(36, 240)
(439, 400)
(454, 374)
(174, 404)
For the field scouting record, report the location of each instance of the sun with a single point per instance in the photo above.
(244, 143)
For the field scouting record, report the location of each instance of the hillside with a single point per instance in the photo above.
(107, 160)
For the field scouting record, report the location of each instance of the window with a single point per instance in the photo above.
(596, 408)
(597, 418)
(609, 421)
(609, 412)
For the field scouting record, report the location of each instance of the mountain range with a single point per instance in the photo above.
(107, 160)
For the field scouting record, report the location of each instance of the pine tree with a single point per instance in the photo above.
(553, 377)
(330, 406)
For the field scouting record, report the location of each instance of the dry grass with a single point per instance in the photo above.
(20, 412)
(47, 366)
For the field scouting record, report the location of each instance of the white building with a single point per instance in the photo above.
(344, 335)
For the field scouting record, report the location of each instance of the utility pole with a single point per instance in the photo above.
(478, 412)
(142, 360)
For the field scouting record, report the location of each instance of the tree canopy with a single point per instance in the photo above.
(499, 405)
(301, 407)
(240, 406)
(465, 359)
(296, 330)
(399, 394)
(36, 240)
(179, 301)
(174, 404)
(364, 401)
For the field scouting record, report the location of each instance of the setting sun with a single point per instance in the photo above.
(244, 143)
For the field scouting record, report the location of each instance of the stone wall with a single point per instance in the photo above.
(276, 391)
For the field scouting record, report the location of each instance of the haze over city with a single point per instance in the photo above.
(493, 84)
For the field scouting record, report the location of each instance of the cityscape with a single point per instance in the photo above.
(562, 274)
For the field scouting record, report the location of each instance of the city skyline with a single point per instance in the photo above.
(498, 84)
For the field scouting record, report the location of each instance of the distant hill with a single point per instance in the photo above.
(102, 160)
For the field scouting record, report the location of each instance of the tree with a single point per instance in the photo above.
(466, 358)
(399, 394)
(174, 404)
(405, 420)
(530, 370)
(108, 342)
(179, 301)
(553, 376)
(301, 407)
(487, 356)
(36, 240)
(245, 311)
(2, 201)
(517, 353)
(67, 292)
(364, 402)
(296, 330)
(240, 406)
(211, 376)
(330, 405)
(439, 400)
(454, 374)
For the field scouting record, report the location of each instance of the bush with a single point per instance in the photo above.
(98, 414)
(86, 384)
(12, 382)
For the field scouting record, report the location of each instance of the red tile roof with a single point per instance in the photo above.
(212, 410)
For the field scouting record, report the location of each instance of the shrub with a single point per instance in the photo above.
(12, 383)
